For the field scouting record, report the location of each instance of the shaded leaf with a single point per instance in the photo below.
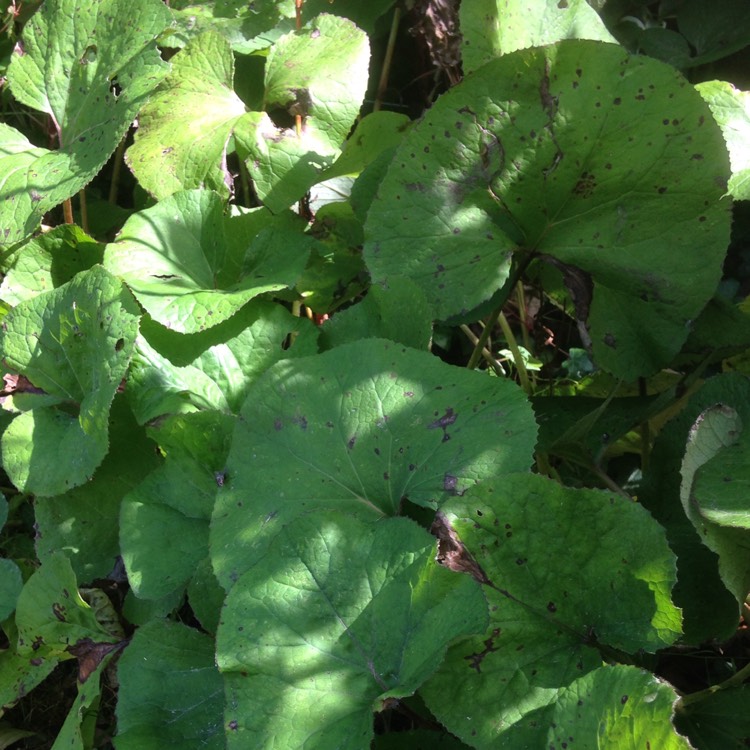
(567, 570)
(170, 692)
(360, 428)
(609, 167)
(338, 617)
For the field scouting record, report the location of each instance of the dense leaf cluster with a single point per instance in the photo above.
(343, 430)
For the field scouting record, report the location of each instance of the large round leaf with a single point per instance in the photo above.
(363, 428)
(564, 571)
(608, 167)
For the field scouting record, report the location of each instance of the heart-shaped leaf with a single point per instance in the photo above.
(339, 616)
(608, 167)
(363, 428)
(90, 68)
(564, 571)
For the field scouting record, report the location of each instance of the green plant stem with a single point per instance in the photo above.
(385, 72)
(84, 210)
(485, 352)
(522, 315)
(607, 480)
(736, 680)
(114, 184)
(513, 279)
(245, 183)
(523, 375)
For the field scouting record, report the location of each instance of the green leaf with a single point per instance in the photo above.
(375, 133)
(606, 166)
(716, 456)
(246, 27)
(339, 615)
(361, 428)
(48, 261)
(731, 108)
(398, 312)
(84, 522)
(183, 267)
(51, 613)
(491, 28)
(170, 692)
(164, 521)
(319, 73)
(77, 732)
(365, 15)
(183, 131)
(719, 721)
(565, 571)
(21, 673)
(11, 583)
(91, 68)
(74, 343)
(221, 376)
(709, 610)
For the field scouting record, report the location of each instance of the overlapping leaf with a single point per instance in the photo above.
(565, 570)
(90, 68)
(75, 344)
(339, 616)
(731, 108)
(490, 28)
(363, 428)
(609, 167)
(170, 693)
(714, 472)
(320, 74)
(192, 268)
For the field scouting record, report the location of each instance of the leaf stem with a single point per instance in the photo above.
(485, 352)
(513, 279)
(83, 209)
(387, 61)
(114, 184)
(736, 680)
(523, 375)
(68, 211)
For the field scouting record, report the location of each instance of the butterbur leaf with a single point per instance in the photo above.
(181, 266)
(609, 167)
(183, 131)
(714, 469)
(319, 73)
(490, 28)
(361, 428)
(52, 614)
(75, 344)
(338, 617)
(563, 570)
(717, 722)
(170, 692)
(731, 108)
(48, 261)
(164, 520)
(247, 28)
(84, 521)
(91, 68)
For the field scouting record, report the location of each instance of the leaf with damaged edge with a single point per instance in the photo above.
(338, 617)
(609, 583)
(320, 74)
(181, 267)
(91, 67)
(74, 343)
(361, 428)
(609, 167)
